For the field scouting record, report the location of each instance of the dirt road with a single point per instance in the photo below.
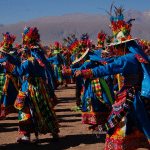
(73, 134)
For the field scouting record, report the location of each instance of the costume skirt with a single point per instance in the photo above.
(37, 113)
(122, 131)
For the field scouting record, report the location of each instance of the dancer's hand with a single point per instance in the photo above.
(3, 64)
(62, 71)
(77, 73)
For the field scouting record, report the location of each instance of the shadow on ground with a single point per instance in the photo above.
(66, 99)
(63, 87)
(64, 143)
(8, 127)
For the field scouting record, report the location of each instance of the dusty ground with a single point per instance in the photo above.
(73, 134)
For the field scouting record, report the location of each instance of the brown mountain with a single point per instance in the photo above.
(55, 28)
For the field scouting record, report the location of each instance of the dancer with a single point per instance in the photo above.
(97, 98)
(36, 113)
(128, 125)
(57, 63)
(9, 83)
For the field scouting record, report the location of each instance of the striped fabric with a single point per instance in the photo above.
(43, 107)
(14, 80)
(120, 109)
(133, 80)
(96, 87)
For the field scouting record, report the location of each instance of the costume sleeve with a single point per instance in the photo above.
(110, 59)
(25, 68)
(86, 65)
(13, 60)
(121, 65)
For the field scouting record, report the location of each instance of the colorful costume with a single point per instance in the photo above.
(125, 131)
(38, 97)
(9, 83)
(34, 100)
(96, 96)
(129, 121)
(57, 63)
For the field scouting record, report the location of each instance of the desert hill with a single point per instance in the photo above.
(52, 28)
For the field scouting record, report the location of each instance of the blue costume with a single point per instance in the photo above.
(9, 86)
(35, 97)
(57, 63)
(96, 96)
(129, 117)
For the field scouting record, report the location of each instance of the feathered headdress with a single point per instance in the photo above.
(72, 44)
(121, 29)
(101, 38)
(8, 40)
(69, 40)
(30, 36)
(85, 42)
(109, 39)
(57, 47)
(119, 25)
(144, 44)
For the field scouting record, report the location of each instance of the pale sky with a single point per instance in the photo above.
(13, 11)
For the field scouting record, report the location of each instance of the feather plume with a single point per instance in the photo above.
(72, 35)
(65, 40)
(109, 13)
(119, 10)
(69, 39)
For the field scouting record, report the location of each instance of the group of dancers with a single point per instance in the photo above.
(112, 83)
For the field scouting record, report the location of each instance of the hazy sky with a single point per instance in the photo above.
(13, 11)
